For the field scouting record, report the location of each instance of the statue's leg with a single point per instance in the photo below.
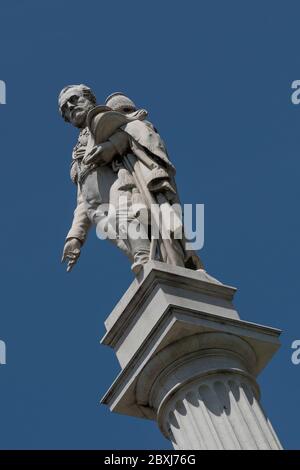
(126, 230)
(175, 249)
(133, 233)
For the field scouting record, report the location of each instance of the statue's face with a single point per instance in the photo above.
(75, 108)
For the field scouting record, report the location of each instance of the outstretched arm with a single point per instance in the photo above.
(77, 233)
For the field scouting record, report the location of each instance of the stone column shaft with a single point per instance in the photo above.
(219, 413)
(205, 396)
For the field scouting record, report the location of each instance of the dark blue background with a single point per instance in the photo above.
(216, 79)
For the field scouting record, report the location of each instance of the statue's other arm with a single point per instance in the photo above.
(77, 233)
(81, 223)
(120, 141)
(103, 154)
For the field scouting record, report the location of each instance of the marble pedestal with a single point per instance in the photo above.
(189, 362)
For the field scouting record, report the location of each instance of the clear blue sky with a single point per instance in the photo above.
(215, 77)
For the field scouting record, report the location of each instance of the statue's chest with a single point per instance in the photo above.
(80, 147)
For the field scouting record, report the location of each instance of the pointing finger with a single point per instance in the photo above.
(70, 265)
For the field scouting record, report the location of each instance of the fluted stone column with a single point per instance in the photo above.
(207, 397)
(218, 413)
(189, 362)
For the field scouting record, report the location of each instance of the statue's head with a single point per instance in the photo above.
(120, 102)
(75, 101)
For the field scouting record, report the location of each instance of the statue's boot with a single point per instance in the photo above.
(135, 236)
(140, 249)
(141, 257)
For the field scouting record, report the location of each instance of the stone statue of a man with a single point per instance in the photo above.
(128, 163)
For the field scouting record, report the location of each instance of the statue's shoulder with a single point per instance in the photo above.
(149, 124)
(147, 136)
(140, 129)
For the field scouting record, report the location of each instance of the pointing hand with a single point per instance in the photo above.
(71, 252)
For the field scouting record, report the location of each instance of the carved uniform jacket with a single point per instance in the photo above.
(99, 185)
